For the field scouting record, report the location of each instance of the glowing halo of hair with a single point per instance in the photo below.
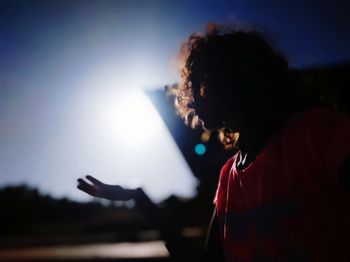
(196, 54)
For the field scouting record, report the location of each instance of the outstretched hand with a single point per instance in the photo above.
(98, 189)
(116, 193)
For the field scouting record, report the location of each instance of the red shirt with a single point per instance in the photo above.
(288, 205)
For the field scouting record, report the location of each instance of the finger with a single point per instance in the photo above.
(83, 182)
(83, 185)
(86, 187)
(79, 180)
(89, 191)
(94, 180)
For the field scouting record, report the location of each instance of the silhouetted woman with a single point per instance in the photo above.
(284, 196)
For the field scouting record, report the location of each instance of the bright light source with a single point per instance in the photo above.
(131, 146)
(136, 119)
(132, 119)
(116, 134)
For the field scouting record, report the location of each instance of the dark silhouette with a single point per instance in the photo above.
(284, 195)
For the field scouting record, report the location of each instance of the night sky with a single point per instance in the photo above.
(66, 66)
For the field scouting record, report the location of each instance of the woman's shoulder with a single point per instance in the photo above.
(316, 118)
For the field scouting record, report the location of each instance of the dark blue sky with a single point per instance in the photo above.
(63, 64)
(308, 31)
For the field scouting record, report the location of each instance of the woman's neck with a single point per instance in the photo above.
(252, 144)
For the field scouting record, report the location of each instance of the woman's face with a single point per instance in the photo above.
(219, 110)
(207, 111)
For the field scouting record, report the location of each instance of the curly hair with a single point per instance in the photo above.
(235, 63)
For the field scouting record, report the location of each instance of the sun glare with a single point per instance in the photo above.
(133, 119)
(120, 137)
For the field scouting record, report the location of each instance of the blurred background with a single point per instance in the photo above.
(82, 92)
